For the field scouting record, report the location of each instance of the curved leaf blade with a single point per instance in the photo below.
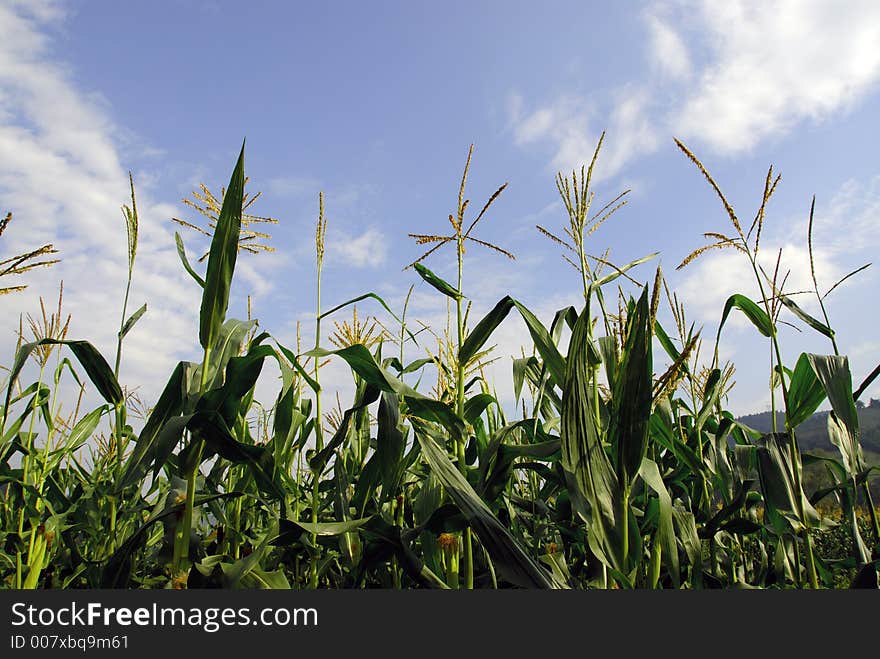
(221, 258)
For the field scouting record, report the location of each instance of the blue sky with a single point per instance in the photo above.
(375, 104)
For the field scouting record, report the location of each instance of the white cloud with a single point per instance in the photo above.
(714, 277)
(43, 10)
(669, 55)
(368, 250)
(851, 219)
(571, 126)
(845, 236)
(631, 132)
(62, 177)
(730, 75)
(773, 64)
(846, 231)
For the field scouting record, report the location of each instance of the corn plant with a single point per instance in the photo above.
(615, 473)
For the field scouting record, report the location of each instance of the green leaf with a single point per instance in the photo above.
(221, 258)
(136, 316)
(752, 311)
(686, 528)
(520, 366)
(366, 396)
(169, 405)
(665, 533)
(80, 433)
(596, 492)
(509, 558)
(181, 252)
(540, 336)
(598, 283)
(834, 374)
(711, 392)
(565, 316)
(805, 391)
(553, 360)
(97, 369)
(390, 442)
(293, 359)
(441, 285)
(233, 573)
(241, 377)
(666, 435)
(117, 569)
(631, 402)
(364, 364)
(496, 461)
(332, 528)
(817, 325)
(95, 365)
(167, 440)
(416, 364)
(476, 405)
(481, 332)
(784, 500)
(210, 427)
(666, 342)
(228, 343)
(257, 578)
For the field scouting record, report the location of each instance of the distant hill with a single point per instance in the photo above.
(812, 434)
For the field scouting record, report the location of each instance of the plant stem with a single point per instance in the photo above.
(459, 410)
(181, 540)
(26, 462)
(121, 326)
(624, 526)
(793, 445)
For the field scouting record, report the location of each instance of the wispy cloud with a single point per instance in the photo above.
(62, 176)
(571, 126)
(724, 75)
(670, 55)
(714, 277)
(367, 250)
(846, 231)
(773, 64)
(845, 237)
(850, 220)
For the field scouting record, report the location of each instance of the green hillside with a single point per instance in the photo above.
(812, 436)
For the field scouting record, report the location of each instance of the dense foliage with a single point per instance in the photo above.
(613, 476)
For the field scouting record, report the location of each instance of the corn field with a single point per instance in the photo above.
(621, 470)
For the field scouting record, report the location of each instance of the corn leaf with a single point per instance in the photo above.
(633, 394)
(136, 316)
(390, 442)
(805, 391)
(752, 311)
(221, 259)
(181, 252)
(596, 491)
(834, 374)
(665, 533)
(95, 365)
(817, 325)
(440, 284)
(169, 405)
(511, 561)
(618, 272)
